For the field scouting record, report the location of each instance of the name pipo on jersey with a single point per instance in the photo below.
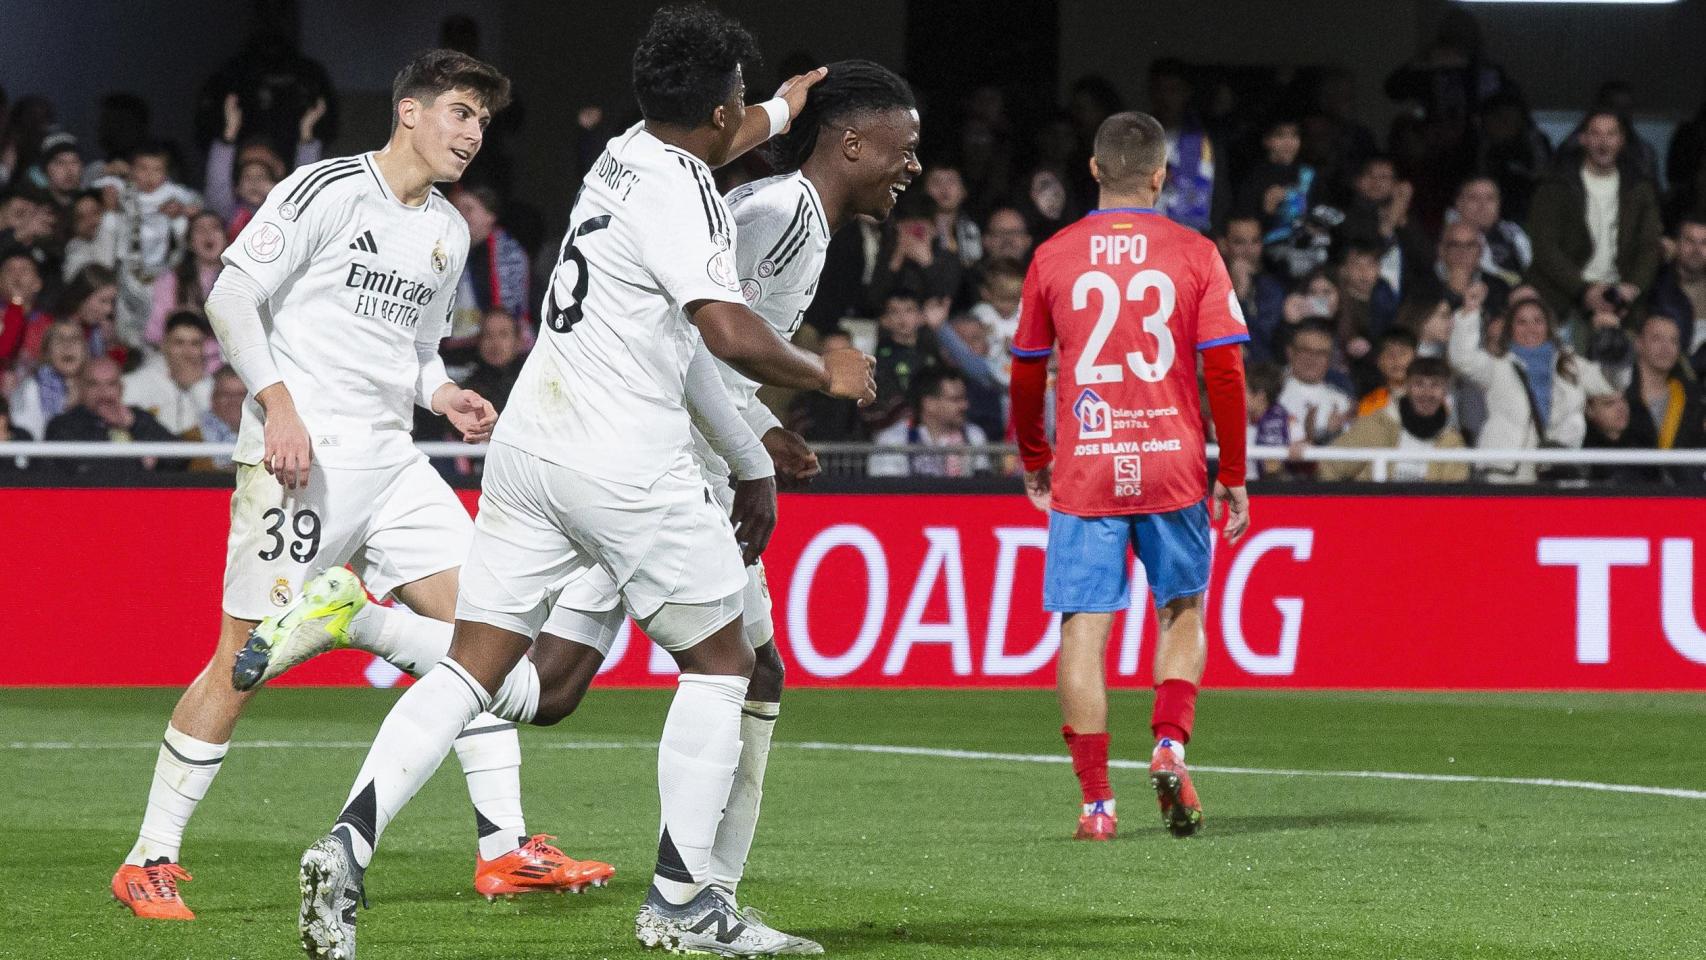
(355, 279)
(1129, 296)
(603, 391)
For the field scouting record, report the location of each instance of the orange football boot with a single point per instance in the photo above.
(535, 867)
(1181, 811)
(151, 891)
(1098, 824)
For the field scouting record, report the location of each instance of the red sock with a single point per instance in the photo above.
(1175, 710)
(1090, 761)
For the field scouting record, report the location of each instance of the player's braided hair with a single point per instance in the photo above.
(851, 87)
(684, 67)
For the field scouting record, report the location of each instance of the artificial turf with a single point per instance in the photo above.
(894, 855)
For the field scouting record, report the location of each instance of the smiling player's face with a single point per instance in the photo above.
(448, 132)
(886, 162)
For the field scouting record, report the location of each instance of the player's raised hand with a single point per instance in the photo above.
(471, 414)
(754, 516)
(288, 451)
(793, 91)
(796, 462)
(1039, 486)
(1236, 501)
(851, 375)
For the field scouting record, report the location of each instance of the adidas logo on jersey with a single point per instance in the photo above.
(365, 243)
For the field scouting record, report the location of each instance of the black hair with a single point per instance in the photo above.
(151, 148)
(13, 251)
(188, 318)
(927, 383)
(1000, 267)
(1360, 245)
(433, 73)
(1266, 378)
(1374, 158)
(851, 87)
(1693, 218)
(685, 66)
(1399, 335)
(1428, 367)
(1310, 325)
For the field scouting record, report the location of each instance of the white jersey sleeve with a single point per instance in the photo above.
(293, 225)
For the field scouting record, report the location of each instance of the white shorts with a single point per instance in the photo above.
(394, 525)
(542, 526)
(595, 592)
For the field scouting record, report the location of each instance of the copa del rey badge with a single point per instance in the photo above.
(440, 259)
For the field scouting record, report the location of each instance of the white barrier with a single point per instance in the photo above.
(1381, 458)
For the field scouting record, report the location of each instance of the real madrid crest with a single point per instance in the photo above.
(281, 592)
(440, 259)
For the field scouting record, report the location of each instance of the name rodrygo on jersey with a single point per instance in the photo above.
(603, 390)
(355, 279)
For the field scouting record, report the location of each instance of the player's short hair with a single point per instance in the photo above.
(1266, 378)
(433, 73)
(1428, 367)
(850, 89)
(1130, 146)
(188, 318)
(685, 66)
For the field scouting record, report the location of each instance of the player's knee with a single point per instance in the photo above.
(556, 705)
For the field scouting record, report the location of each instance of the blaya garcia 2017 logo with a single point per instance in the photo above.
(1095, 416)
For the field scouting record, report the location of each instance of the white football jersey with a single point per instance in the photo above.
(784, 236)
(603, 391)
(355, 278)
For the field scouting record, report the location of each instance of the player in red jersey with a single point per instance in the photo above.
(1131, 298)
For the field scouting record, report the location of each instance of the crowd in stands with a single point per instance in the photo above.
(1459, 281)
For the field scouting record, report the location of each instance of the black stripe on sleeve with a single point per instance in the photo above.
(704, 200)
(303, 206)
(336, 166)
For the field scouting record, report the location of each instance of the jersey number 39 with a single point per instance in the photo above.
(1155, 324)
(563, 306)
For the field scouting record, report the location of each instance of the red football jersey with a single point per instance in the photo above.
(1129, 296)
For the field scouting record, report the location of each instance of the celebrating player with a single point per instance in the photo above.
(1131, 298)
(354, 262)
(592, 467)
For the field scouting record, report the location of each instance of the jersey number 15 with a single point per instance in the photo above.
(1155, 324)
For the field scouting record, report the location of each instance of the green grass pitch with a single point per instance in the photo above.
(882, 855)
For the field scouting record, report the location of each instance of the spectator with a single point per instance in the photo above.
(1513, 152)
(27, 221)
(1429, 321)
(1368, 304)
(498, 358)
(221, 421)
(1261, 295)
(997, 308)
(916, 264)
(965, 346)
(145, 233)
(1316, 300)
(496, 277)
(1269, 425)
(61, 180)
(1665, 409)
(905, 348)
(1458, 266)
(1277, 190)
(1378, 213)
(87, 301)
(1536, 388)
(1316, 410)
(1194, 193)
(1047, 204)
(1595, 228)
(1608, 429)
(84, 247)
(938, 419)
(51, 388)
(238, 181)
(120, 128)
(276, 84)
(174, 385)
(10, 432)
(1507, 251)
(1616, 96)
(187, 285)
(27, 125)
(101, 415)
(821, 417)
(1392, 359)
(1335, 142)
(959, 233)
(1006, 237)
(1416, 417)
(20, 287)
(1680, 291)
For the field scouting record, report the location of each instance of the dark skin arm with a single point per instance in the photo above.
(744, 341)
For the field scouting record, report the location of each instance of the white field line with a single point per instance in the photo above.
(947, 754)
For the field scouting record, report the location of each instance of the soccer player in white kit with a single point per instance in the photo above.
(331, 307)
(592, 467)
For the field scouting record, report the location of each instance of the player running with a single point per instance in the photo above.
(1131, 298)
(591, 468)
(331, 308)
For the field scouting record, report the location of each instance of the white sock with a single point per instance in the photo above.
(1173, 745)
(403, 638)
(740, 817)
(183, 771)
(490, 754)
(1106, 806)
(412, 742)
(697, 756)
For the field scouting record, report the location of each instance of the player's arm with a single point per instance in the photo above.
(1221, 335)
(761, 121)
(1028, 386)
(741, 339)
(714, 413)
